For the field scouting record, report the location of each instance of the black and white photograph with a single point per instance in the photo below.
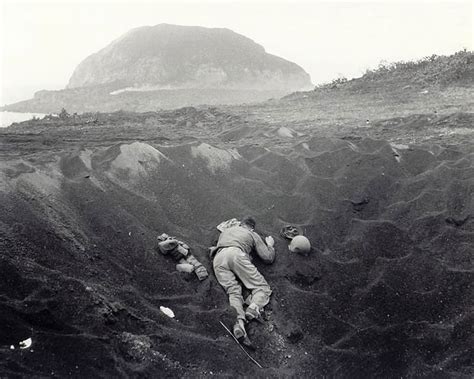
(237, 189)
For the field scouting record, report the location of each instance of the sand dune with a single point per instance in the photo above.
(385, 291)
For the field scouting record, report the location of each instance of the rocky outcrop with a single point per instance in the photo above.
(175, 57)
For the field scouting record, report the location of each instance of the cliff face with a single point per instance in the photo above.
(170, 56)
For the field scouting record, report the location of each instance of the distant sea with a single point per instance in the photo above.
(7, 118)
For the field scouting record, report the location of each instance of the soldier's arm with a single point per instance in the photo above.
(266, 253)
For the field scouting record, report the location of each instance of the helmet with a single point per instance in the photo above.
(300, 244)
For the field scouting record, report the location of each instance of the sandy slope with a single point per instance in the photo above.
(386, 291)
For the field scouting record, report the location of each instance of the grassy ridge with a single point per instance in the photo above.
(434, 70)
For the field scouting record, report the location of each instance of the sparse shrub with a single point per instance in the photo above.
(433, 69)
(63, 115)
(457, 69)
(333, 84)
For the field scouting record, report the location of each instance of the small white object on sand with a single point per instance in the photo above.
(285, 132)
(168, 312)
(26, 343)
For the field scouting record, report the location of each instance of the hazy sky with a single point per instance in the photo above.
(42, 42)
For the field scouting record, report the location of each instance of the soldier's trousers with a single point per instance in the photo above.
(231, 263)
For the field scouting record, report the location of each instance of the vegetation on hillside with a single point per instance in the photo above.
(434, 70)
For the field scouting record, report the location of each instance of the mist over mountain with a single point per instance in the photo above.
(169, 66)
(172, 56)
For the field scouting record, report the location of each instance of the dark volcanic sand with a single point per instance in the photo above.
(386, 291)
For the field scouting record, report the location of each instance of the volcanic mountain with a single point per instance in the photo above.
(170, 66)
(172, 56)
